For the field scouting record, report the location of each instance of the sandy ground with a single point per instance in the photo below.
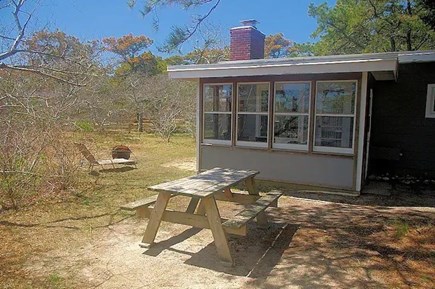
(311, 243)
(187, 164)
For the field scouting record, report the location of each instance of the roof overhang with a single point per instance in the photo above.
(383, 66)
(417, 56)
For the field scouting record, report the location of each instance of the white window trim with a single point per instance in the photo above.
(217, 141)
(430, 101)
(297, 147)
(291, 146)
(252, 144)
(266, 113)
(326, 149)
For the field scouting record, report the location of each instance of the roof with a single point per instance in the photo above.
(383, 65)
(417, 56)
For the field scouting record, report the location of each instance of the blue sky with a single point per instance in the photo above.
(95, 19)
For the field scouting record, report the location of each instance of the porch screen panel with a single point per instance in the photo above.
(252, 114)
(291, 119)
(217, 104)
(335, 116)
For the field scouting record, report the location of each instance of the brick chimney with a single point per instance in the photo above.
(246, 42)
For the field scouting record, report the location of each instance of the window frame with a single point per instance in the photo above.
(254, 144)
(217, 141)
(335, 150)
(296, 147)
(430, 101)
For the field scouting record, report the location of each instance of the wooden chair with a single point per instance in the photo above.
(94, 162)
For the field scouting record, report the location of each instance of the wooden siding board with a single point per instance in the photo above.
(300, 168)
(399, 121)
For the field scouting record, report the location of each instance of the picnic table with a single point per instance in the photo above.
(204, 190)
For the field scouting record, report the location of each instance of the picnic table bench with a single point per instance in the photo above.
(204, 190)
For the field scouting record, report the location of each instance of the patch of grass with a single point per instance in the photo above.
(401, 228)
(86, 201)
(55, 281)
(426, 278)
(84, 125)
(93, 206)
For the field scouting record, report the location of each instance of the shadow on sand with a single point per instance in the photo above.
(255, 255)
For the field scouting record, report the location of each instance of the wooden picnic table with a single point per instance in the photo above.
(202, 212)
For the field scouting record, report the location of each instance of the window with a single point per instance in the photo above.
(430, 101)
(217, 104)
(291, 119)
(252, 114)
(335, 116)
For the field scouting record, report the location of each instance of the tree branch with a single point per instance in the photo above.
(188, 33)
(21, 28)
(342, 31)
(35, 71)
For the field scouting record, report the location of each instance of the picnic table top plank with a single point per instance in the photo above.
(205, 183)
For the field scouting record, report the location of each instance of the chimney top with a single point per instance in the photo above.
(246, 41)
(249, 22)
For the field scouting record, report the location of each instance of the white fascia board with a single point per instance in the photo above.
(417, 56)
(365, 65)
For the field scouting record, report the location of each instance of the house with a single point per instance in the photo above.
(327, 121)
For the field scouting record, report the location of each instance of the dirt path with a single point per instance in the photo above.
(312, 244)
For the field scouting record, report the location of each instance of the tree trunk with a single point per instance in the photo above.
(393, 44)
(140, 122)
(408, 41)
(408, 34)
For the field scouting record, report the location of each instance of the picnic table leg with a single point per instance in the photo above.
(155, 219)
(201, 208)
(250, 185)
(215, 222)
(252, 190)
(192, 205)
(228, 193)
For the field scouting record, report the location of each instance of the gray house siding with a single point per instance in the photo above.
(399, 124)
(298, 168)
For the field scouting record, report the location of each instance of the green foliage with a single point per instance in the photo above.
(150, 5)
(302, 49)
(145, 64)
(179, 34)
(135, 59)
(365, 26)
(84, 125)
(401, 229)
(428, 14)
(55, 280)
(127, 46)
(277, 46)
(207, 55)
(132, 51)
(161, 66)
(176, 60)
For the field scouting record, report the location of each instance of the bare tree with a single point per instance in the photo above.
(19, 52)
(40, 80)
(168, 104)
(34, 156)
